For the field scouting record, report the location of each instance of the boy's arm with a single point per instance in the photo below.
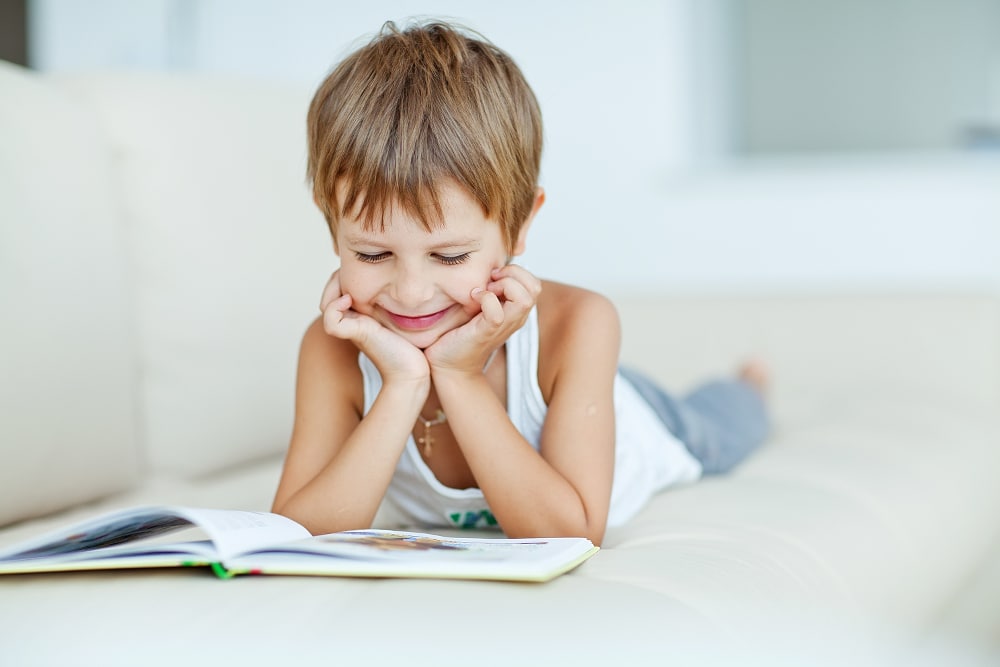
(565, 488)
(339, 465)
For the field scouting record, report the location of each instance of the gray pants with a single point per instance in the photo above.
(720, 422)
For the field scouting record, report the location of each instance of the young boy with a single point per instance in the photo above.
(441, 376)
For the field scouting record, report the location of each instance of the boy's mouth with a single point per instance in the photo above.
(418, 322)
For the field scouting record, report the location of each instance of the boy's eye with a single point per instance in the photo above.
(371, 258)
(453, 259)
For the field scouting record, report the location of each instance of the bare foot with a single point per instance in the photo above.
(757, 374)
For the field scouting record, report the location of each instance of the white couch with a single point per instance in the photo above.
(159, 260)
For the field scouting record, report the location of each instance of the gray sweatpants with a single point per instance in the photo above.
(720, 422)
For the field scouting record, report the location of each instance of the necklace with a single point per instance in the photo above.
(427, 441)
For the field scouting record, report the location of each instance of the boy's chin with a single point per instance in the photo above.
(421, 339)
(424, 339)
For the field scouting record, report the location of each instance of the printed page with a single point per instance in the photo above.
(374, 544)
(103, 531)
(237, 531)
(406, 554)
(231, 531)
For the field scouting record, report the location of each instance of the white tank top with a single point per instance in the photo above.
(648, 458)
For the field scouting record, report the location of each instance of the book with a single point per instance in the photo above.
(244, 542)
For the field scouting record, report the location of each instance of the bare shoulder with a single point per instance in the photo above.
(563, 309)
(320, 345)
(576, 326)
(329, 366)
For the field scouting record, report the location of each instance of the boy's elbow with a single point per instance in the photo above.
(596, 534)
(595, 523)
(593, 532)
(280, 504)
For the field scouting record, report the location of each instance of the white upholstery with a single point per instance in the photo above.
(159, 260)
(67, 399)
(225, 251)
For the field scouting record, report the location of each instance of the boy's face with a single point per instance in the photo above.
(418, 283)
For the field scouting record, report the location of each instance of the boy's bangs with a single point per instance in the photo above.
(371, 201)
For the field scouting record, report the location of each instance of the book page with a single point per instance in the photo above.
(381, 553)
(237, 531)
(390, 545)
(104, 531)
(231, 531)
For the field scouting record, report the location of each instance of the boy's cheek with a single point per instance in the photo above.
(349, 285)
(475, 277)
(352, 272)
(471, 305)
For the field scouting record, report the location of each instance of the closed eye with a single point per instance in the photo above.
(371, 258)
(451, 260)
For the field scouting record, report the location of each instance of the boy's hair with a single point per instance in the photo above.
(416, 107)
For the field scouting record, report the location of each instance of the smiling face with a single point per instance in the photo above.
(418, 283)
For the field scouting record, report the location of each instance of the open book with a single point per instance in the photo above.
(242, 542)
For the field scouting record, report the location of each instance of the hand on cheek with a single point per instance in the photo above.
(489, 304)
(504, 306)
(515, 288)
(338, 318)
(394, 356)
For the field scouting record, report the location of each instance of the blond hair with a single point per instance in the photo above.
(418, 106)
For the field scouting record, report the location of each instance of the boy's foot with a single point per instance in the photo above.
(756, 374)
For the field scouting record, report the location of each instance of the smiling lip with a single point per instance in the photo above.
(418, 323)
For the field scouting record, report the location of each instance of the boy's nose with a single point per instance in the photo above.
(412, 288)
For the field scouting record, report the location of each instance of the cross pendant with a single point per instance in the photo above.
(427, 441)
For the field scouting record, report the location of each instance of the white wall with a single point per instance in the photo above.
(640, 105)
(867, 74)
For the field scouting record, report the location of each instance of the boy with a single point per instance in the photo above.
(442, 376)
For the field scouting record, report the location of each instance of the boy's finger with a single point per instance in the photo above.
(331, 291)
(510, 289)
(490, 305)
(335, 313)
(521, 275)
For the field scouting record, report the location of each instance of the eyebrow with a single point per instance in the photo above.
(357, 239)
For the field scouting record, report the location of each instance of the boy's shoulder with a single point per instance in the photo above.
(577, 328)
(328, 369)
(564, 301)
(319, 347)
(568, 312)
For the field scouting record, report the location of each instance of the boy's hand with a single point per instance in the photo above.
(394, 357)
(504, 305)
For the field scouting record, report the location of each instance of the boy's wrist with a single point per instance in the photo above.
(457, 379)
(411, 390)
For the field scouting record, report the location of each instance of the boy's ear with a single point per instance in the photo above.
(522, 236)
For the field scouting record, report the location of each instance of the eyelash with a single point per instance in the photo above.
(371, 259)
(453, 260)
(448, 260)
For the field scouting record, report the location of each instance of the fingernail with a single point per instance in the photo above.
(476, 291)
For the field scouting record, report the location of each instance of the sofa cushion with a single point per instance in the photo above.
(66, 362)
(877, 491)
(229, 256)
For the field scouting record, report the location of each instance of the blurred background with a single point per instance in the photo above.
(713, 145)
